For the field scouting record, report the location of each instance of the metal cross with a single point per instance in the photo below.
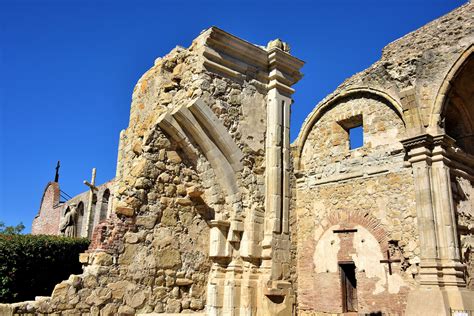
(56, 177)
(389, 261)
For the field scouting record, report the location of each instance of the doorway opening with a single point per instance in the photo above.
(348, 286)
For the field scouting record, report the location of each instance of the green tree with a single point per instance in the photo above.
(11, 230)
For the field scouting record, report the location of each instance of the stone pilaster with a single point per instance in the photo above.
(251, 252)
(442, 285)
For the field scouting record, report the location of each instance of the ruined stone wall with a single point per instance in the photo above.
(367, 189)
(152, 256)
(189, 193)
(420, 61)
(463, 190)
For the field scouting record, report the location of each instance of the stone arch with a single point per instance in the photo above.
(91, 218)
(79, 218)
(104, 204)
(332, 101)
(195, 121)
(443, 91)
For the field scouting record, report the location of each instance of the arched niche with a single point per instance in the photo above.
(92, 215)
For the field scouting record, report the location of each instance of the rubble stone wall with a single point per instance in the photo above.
(189, 193)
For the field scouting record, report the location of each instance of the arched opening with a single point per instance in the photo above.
(457, 119)
(79, 218)
(92, 215)
(458, 110)
(104, 205)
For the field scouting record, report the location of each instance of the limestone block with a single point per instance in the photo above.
(128, 256)
(102, 259)
(173, 306)
(125, 310)
(173, 157)
(183, 282)
(110, 309)
(196, 304)
(169, 217)
(194, 191)
(60, 290)
(99, 297)
(136, 300)
(218, 245)
(168, 258)
(147, 221)
(84, 258)
(119, 288)
(124, 210)
(75, 280)
(184, 201)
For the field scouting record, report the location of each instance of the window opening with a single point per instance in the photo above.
(356, 137)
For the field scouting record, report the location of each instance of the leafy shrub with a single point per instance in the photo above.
(30, 265)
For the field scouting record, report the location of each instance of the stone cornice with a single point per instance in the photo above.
(235, 58)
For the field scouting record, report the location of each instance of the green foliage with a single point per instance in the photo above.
(30, 265)
(11, 230)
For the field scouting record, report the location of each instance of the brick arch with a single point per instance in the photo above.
(351, 218)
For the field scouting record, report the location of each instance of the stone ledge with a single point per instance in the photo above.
(172, 314)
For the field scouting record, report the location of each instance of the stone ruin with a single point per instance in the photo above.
(215, 213)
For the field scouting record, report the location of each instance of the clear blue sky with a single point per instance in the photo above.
(68, 68)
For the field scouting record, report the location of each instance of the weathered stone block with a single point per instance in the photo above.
(168, 259)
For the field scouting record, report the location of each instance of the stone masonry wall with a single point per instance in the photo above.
(367, 189)
(420, 60)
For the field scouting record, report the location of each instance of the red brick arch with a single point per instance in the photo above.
(351, 218)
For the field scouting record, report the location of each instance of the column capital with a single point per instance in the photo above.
(283, 70)
(427, 147)
(428, 141)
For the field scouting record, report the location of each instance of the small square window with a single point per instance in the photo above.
(356, 137)
(353, 126)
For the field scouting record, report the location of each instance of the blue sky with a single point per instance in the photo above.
(68, 68)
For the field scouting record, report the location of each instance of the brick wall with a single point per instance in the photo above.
(47, 220)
